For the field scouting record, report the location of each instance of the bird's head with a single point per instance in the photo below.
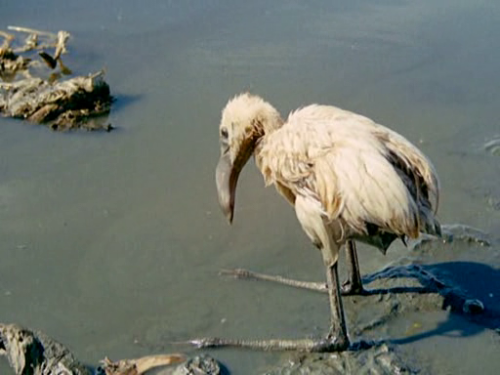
(245, 119)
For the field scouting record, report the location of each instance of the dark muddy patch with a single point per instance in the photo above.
(381, 359)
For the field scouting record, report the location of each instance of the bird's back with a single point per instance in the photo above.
(362, 173)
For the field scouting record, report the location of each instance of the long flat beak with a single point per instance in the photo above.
(226, 178)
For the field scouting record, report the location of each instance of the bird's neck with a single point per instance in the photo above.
(259, 141)
(266, 126)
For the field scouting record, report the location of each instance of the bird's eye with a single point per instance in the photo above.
(223, 133)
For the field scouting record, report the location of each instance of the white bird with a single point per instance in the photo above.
(348, 179)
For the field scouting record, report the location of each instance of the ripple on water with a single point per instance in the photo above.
(493, 146)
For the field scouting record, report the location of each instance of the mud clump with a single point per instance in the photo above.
(380, 359)
(199, 365)
(70, 104)
(34, 353)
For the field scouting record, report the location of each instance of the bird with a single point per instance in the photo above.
(347, 177)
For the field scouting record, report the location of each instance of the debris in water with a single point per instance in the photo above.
(54, 99)
(34, 353)
(138, 366)
(493, 146)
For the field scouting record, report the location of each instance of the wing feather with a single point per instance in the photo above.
(343, 160)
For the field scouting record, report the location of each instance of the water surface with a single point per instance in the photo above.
(111, 243)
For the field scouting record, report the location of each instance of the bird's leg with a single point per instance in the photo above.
(338, 328)
(335, 341)
(353, 285)
(323, 234)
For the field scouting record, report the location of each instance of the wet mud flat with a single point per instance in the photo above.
(36, 86)
(436, 275)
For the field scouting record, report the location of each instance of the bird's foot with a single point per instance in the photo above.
(337, 343)
(329, 344)
(350, 288)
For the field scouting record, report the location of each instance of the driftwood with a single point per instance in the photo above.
(138, 366)
(34, 353)
(198, 365)
(66, 105)
(59, 101)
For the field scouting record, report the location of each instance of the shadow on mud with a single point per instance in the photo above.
(469, 289)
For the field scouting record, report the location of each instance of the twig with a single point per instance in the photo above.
(31, 31)
(6, 35)
(62, 37)
(6, 43)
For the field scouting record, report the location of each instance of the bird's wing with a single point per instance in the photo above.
(336, 157)
(415, 164)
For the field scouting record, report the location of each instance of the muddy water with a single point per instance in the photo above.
(111, 243)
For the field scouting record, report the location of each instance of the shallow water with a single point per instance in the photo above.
(111, 243)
